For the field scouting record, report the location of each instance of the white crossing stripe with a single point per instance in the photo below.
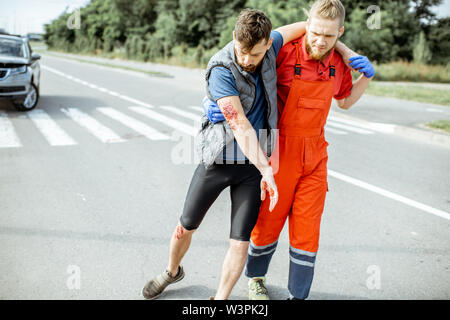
(335, 131)
(134, 124)
(197, 108)
(8, 136)
(103, 133)
(375, 126)
(178, 125)
(51, 131)
(182, 113)
(348, 128)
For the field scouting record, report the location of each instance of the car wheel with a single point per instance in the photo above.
(30, 101)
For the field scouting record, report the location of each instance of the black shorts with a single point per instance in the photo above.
(206, 185)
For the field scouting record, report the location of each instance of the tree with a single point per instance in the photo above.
(149, 29)
(439, 41)
(392, 41)
(279, 12)
(421, 52)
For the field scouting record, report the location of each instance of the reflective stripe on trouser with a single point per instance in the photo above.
(301, 272)
(258, 259)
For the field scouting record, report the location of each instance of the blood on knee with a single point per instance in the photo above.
(179, 232)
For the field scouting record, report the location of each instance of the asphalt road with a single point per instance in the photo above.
(92, 182)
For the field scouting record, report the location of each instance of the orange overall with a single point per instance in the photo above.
(301, 177)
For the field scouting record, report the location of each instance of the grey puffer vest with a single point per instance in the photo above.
(212, 138)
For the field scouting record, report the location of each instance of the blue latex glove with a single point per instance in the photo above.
(363, 65)
(212, 111)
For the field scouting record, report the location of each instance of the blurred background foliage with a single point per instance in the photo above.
(189, 32)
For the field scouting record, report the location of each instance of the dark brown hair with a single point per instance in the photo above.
(251, 27)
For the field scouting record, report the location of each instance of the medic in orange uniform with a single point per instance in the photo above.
(310, 73)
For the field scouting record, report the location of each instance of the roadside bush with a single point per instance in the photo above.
(421, 52)
(154, 48)
(408, 71)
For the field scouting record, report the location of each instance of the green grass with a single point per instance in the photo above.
(440, 125)
(412, 72)
(410, 92)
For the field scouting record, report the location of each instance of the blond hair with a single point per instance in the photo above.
(328, 9)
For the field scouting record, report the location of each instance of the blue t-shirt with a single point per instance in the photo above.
(222, 84)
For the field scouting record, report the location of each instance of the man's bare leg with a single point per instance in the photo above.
(232, 267)
(179, 245)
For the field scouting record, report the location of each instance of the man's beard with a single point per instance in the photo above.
(250, 68)
(318, 56)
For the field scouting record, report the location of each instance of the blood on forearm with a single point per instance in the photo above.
(244, 133)
(230, 113)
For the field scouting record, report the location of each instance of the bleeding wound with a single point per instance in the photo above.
(179, 232)
(230, 114)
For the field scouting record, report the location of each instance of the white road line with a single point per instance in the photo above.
(51, 131)
(335, 131)
(434, 110)
(8, 136)
(134, 101)
(95, 87)
(103, 133)
(178, 125)
(390, 195)
(113, 93)
(348, 128)
(134, 124)
(54, 71)
(182, 113)
(379, 127)
(197, 108)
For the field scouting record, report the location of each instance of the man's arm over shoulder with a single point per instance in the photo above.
(292, 31)
(363, 65)
(343, 72)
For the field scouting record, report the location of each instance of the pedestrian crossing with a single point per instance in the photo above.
(8, 136)
(337, 127)
(144, 120)
(51, 131)
(103, 133)
(136, 125)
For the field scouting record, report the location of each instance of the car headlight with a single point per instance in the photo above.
(18, 70)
